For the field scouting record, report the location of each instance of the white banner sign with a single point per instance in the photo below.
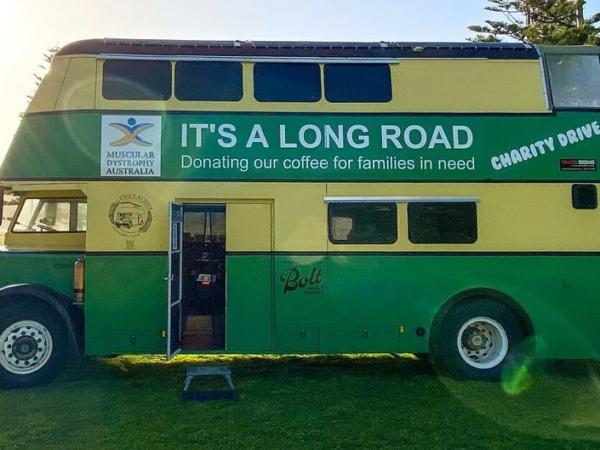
(131, 146)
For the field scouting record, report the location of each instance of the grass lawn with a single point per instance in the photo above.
(376, 402)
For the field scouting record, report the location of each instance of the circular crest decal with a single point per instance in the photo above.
(131, 215)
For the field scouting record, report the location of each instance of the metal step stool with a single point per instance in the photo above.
(203, 396)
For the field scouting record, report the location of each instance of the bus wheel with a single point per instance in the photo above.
(474, 340)
(33, 345)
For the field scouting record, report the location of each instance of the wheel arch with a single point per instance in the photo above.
(58, 302)
(475, 294)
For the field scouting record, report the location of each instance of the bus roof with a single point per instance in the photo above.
(302, 49)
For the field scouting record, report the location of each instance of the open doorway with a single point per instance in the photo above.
(203, 277)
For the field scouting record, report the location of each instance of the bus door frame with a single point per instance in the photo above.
(174, 331)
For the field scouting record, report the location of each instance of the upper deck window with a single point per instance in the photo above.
(287, 82)
(358, 83)
(208, 81)
(575, 80)
(136, 80)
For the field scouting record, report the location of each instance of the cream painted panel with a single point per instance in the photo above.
(46, 95)
(79, 87)
(419, 85)
(511, 217)
(249, 227)
(469, 86)
(298, 208)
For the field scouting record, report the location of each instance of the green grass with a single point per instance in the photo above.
(376, 402)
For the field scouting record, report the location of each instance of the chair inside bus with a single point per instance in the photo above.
(203, 277)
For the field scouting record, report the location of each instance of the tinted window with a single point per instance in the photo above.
(208, 226)
(287, 82)
(208, 81)
(442, 223)
(363, 223)
(360, 83)
(136, 80)
(575, 80)
(584, 196)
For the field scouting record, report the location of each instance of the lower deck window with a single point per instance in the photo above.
(442, 223)
(51, 215)
(363, 223)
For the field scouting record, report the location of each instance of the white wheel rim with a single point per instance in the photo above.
(25, 347)
(482, 343)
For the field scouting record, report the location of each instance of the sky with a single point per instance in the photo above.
(29, 27)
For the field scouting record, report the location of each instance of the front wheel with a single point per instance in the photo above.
(33, 345)
(474, 340)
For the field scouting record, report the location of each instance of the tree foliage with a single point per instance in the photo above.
(48, 56)
(559, 22)
(45, 66)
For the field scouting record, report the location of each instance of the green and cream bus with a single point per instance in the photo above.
(301, 197)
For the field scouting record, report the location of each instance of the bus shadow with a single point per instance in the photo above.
(392, 366)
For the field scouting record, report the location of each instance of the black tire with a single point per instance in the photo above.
(498, 326)
(41, 337)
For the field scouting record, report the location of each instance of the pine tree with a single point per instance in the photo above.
(559, 22)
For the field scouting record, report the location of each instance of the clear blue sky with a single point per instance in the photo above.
(29, 27)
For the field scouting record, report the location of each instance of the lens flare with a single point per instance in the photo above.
(521, 370)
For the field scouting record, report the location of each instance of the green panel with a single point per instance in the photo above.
(325, 303)
(315, 146)
(55, 146)
(50, 269)
(557, 292)
(249, 303)
(364, 340)
(125, 295)
(133, 342)
(301, 302)
(301, 340)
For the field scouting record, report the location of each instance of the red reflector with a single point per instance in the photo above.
(205, 283)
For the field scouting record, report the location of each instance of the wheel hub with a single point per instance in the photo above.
(25, 347)
(482, 343)
(474, 339)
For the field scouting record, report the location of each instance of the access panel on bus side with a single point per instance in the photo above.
(249, 299)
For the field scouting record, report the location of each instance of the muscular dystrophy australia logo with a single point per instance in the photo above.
(131, 215)
(131, 146)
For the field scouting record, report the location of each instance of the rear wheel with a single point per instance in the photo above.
(33, 345)
(474, 340)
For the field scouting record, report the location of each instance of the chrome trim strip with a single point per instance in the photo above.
(269, 59)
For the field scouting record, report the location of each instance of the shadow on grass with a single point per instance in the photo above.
(262, 366)
(403, 366)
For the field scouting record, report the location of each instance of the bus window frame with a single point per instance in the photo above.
(333, 67)
(104, 77)
(72, 201)
(394, 210)
(549, 86)
(418, 239)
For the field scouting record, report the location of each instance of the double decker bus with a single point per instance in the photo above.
(301, 197)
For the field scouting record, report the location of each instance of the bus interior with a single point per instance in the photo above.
(203, 278)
